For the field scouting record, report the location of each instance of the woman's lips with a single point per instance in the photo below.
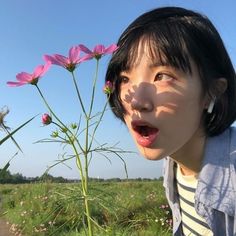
(145, 133)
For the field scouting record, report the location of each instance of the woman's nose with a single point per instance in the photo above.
(142, 103)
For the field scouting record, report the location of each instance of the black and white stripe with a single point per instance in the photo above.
(192, 223)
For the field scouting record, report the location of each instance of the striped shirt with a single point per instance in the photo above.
(192, 223)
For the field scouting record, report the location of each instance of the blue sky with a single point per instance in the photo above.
(30, 29)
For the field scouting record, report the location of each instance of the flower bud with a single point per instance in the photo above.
(46, 119)
(74, 126)
(64, 129)
(54, 134)
(108, 88)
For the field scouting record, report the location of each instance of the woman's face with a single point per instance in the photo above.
(163, 106)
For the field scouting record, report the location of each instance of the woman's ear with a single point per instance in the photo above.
(217, 89)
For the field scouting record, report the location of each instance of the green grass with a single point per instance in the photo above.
(117, 208)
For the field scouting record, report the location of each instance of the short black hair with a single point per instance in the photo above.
(176, 36)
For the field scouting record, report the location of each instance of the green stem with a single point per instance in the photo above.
(84, 183)
(84, 176)
(61, 126)
(94, 86)
(87, 145)
(85, 151)
(98, 123)
(90, 229)
(78, 94)
(78, 161)
(55, 116)
(87, 124)
(49, 108)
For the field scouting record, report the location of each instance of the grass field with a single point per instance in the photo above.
(129, 208)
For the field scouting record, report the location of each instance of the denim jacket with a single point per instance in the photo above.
(215, 196)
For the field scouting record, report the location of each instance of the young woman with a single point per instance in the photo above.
(175, 89)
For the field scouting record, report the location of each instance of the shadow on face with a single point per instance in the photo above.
(146, 97)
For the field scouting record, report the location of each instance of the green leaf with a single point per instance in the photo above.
(13, 132)
(3, 171)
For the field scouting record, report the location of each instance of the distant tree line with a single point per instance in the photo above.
(8, 178)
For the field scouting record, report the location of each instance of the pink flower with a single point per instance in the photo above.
(46, 119)
(108, 87)
(98, 51)
(26, 78)
(69, 62)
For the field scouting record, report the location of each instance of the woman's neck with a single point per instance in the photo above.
(190, 156)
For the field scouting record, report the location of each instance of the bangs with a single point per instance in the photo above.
(164, 45)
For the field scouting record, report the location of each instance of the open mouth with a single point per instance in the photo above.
(144, 130)
(145, 133)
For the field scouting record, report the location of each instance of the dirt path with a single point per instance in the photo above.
(4, 228)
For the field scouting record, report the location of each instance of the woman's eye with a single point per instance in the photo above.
(124, 80)
(163, 77)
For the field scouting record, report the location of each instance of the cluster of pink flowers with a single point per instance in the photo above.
(69, 63)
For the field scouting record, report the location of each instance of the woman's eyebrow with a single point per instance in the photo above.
(124, 72)
(159, 64)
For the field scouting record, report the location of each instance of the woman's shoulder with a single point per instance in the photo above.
(221, 149)
(218, 174)
(233, 145)
(233, 135)
(223, 139)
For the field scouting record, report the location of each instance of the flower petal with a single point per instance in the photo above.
(38, 71)
(61, 60)
(112, 48)
(50, 59)
(99, 49)
(24, 77)
(85, 49)
(56, 59)
(15, 84)
(41, 70)
(86, 58)
(46, 68)
(74, 54)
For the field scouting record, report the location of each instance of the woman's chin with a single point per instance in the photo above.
(152, 154)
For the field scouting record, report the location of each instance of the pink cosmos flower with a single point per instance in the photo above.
(98, 51)
(108, 87)
(26, 78)
(46, 119)
(69, 62)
